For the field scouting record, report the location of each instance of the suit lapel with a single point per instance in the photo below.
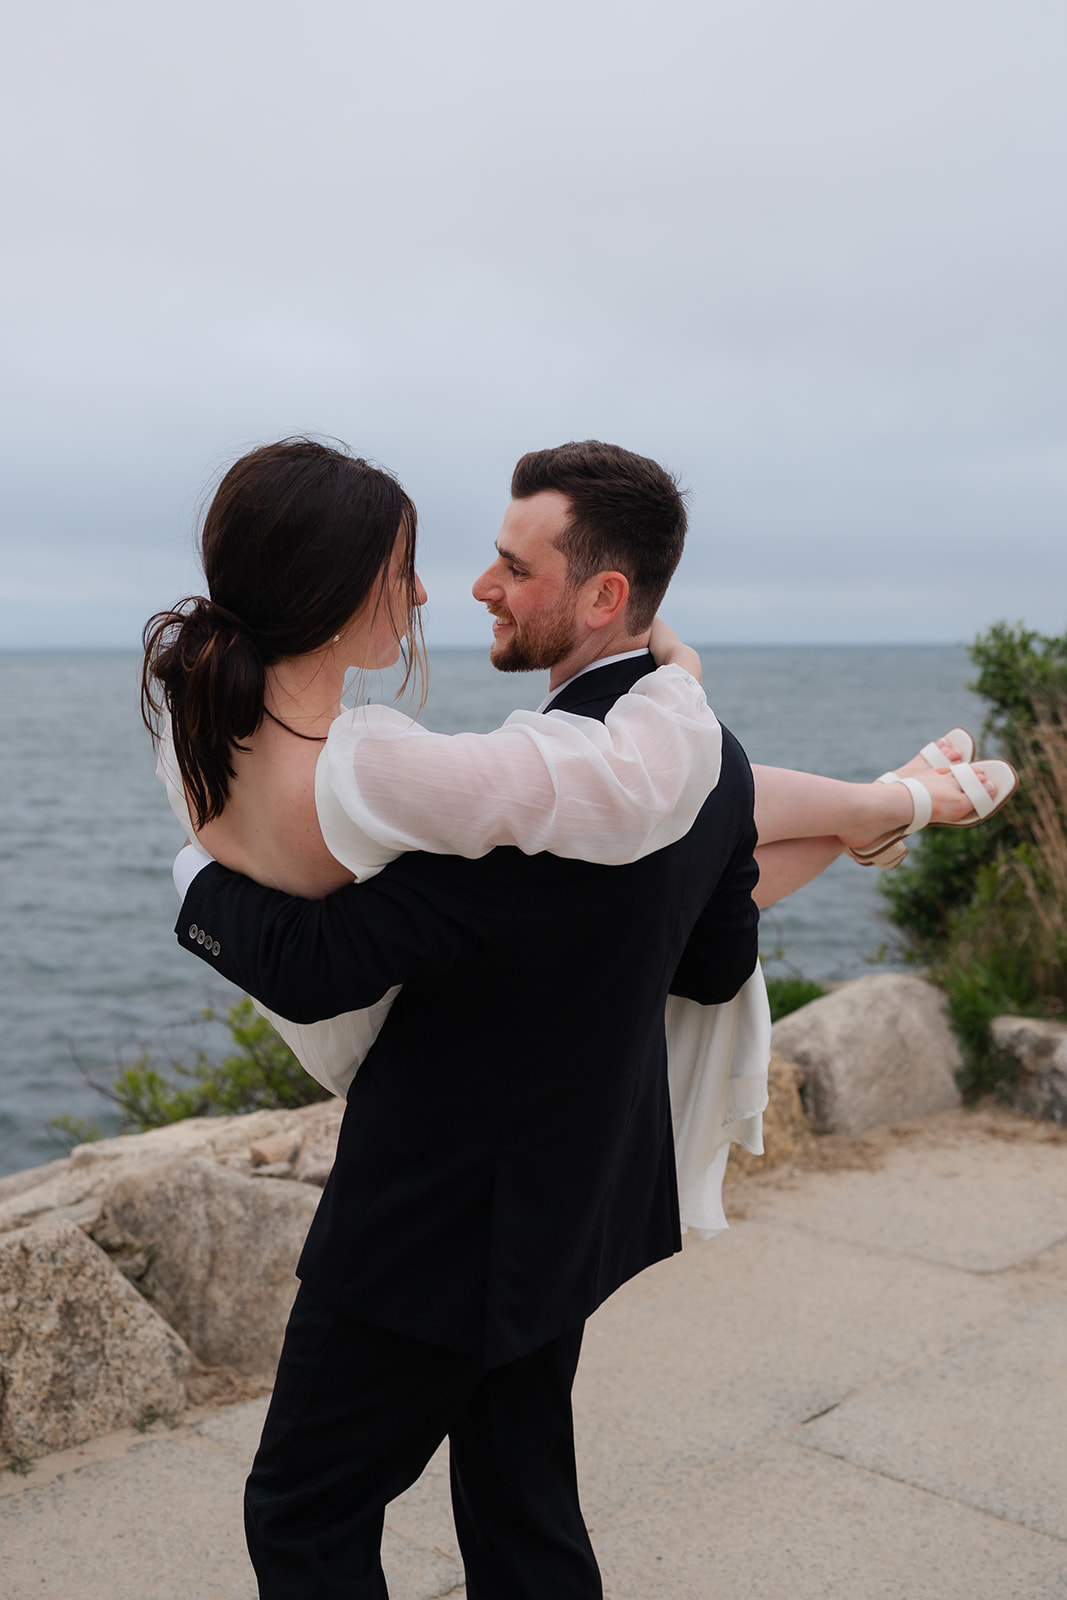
(593, 693)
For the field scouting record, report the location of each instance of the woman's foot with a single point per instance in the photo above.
(953, 797)
(956, 745)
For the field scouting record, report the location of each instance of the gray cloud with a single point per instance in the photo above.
(811, 257)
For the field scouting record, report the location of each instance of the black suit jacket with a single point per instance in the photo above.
(506, 1159)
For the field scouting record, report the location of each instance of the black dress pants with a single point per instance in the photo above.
(357, 1413)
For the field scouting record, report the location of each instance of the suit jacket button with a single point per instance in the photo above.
(193, 930)
(201, 937)
(215, 948)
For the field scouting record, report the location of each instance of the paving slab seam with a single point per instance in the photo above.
(934, 1494)
(1016, 1266)
(882, 1251)
(914, 1364)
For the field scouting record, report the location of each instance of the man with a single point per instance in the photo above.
(506, 1159)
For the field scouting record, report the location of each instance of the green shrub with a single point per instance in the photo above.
(986, 908)
(789, 994)
(1021, 674)
(937, 881)
(263, 1074)
(78, 1130)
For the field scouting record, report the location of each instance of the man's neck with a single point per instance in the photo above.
(595, 649)
(553, 695)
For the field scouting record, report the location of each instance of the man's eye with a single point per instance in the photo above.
(516, 572)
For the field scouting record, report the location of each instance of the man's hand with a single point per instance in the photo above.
(669, 650)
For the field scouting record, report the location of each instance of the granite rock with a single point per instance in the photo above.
(227, 1140)
(322, 1124)
(1040, 1048)
(874, 1051)
(279, 1150)
(80, 1351)
(214, 1251)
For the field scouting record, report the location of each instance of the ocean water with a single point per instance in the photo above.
(91, 975)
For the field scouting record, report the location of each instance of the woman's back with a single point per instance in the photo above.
(268, 828)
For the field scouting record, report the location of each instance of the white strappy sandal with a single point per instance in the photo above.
(890, 850)
(957, 739)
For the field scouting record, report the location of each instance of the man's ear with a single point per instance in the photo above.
(604, 599)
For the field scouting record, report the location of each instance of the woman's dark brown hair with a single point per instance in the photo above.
(298, 537)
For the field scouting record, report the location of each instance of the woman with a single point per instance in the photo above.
(310, 561)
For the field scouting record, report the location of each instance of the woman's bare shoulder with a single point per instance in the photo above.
(269, 830)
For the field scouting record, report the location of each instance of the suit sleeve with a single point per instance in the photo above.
(723, 947)
(311, 959)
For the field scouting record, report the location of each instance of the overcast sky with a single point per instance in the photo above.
(808, 253)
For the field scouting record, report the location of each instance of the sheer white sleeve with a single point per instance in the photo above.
(608, 792)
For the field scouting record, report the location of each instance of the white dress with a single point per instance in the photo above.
(606, 792)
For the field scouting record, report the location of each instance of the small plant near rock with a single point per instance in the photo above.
(79, 1130)
(263, 1074)
(22, 1466)
(151, 1415)
(789, 994)
(790, 991)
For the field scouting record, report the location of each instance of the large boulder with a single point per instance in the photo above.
(80, 1351)
(214, 1251)
(223, 1139)
(293, 1144)
(49, 1191)
(322, 1124)
(874, 1051)
(17, 1183)
(1040, 1048)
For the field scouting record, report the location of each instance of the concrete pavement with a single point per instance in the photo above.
(859, 1392)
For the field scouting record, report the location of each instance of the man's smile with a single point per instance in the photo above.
(501, 619)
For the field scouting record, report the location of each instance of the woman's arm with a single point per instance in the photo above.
(669, 651)
(604, 792)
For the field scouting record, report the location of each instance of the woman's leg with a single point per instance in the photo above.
(805, 821)
(788, 864)
(802, 805)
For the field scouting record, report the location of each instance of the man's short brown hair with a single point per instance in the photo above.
(628, 515)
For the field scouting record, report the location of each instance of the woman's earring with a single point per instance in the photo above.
(337, 638)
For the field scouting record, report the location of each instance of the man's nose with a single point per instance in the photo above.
(487, 587)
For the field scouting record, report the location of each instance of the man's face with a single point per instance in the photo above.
(526, 587)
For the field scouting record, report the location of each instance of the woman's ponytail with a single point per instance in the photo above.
(298, 540)
(202, 666)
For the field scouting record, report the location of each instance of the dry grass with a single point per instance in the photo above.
(1017, 933)
(1044, 878)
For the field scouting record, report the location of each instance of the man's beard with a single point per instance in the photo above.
(537, 644)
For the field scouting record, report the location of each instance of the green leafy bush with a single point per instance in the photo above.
(78, 1130)
(1022, 674)
(263, 1074)
(789, 994)
(986, 908)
